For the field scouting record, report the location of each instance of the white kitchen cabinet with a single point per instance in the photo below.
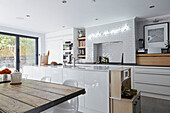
(38, 73)
(77, 75)
(95, 82)
(157, 89)
(55, 74)
(152, 70)
(27, 71)
(152, 81)
(97, 91)
(157, 79)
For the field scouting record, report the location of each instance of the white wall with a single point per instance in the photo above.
(127, 37)
(54, 43)
(27, 33)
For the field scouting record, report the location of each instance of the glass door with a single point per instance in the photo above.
(17, 51)
(7, 52)
(27, 50)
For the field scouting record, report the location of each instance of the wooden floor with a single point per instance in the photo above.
(34, 96)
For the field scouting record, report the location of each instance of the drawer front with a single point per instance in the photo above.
(152, 79)
(148, 70)
(165, 90)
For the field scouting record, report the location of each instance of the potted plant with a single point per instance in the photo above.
(167, 45)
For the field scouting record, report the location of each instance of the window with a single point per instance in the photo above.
(17, 51)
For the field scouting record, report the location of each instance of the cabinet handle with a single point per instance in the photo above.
(135, 103)
(138, 98)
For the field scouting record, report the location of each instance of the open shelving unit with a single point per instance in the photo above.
(81, 38)
(81, 56)
(67, 52)
(81, 47)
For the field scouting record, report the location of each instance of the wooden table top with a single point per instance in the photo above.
(34, 96)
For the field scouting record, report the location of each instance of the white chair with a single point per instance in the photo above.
(24, 75)
(46, 79)
(70, 106)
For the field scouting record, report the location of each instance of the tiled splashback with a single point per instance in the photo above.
(108, 50)
(113, 51)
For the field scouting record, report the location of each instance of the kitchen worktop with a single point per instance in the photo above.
(118, 64)
(87, 67)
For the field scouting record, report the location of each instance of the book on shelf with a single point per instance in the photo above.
(81, 43)
(82, 52)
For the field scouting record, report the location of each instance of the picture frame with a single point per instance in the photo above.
(156, 35)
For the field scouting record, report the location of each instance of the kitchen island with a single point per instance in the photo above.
(95, 80)
(34, 96)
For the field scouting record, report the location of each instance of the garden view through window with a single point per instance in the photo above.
(11, 45)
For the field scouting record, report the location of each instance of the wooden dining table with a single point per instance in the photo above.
(34, 96)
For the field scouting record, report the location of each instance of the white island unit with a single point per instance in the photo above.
(95, 80)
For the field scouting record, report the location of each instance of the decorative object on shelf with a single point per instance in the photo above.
(167, 44)
(156, 20)
(141, 48)
(156, 35)
(167, 49)
(44, 59)
(101, 59)
(164, 50)
(80, 33)
(16, 78)
(128, 93)
(54, 63)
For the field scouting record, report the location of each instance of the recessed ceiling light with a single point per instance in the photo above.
(20, 18)
(64, 1)
(28, 16)
(96, 19)
(152, 6)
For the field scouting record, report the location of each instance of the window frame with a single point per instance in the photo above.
(17, 47)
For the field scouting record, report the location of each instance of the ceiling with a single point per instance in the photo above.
(51, 15)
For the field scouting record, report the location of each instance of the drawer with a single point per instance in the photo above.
(153, 88)
(150, 70)
(152, 79)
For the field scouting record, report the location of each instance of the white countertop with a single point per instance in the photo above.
(85, 67)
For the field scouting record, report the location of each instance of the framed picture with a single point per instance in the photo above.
(156, 35)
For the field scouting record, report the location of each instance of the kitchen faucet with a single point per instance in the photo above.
(74, 61)
(122, 59)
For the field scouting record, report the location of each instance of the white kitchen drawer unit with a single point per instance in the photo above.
(152, 70)
(157, 89)
(152, 79)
